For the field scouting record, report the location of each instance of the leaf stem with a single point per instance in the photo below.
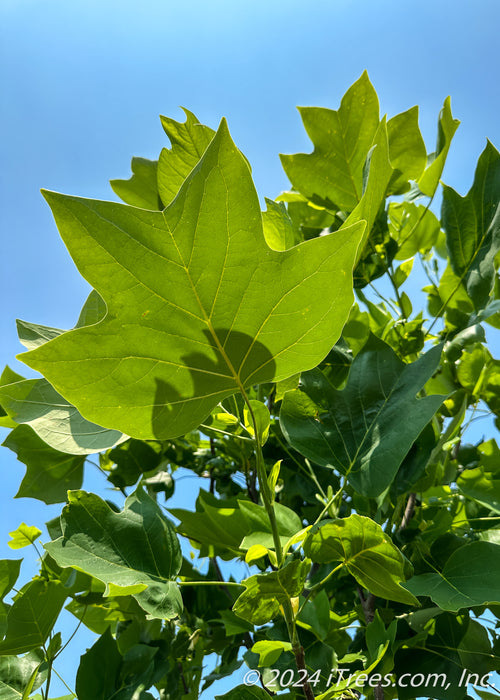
(297, 648)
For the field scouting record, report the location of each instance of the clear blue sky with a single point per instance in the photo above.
(83, 83)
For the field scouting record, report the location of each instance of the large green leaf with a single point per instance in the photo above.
(49, 473)
(366, 430)
(470, 577)
(367, 552)
(481, 487)
(141, 190)
(472, 226)
(19, 675)
(333, 173)
(32, 616)
(447, 126)
(189, 141)
(198, 306)
(134, 552)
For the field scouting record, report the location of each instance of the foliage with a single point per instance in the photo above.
(276, 356)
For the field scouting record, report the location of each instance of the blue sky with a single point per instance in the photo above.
(84, 82)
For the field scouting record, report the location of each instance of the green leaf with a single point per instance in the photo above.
(23, 536)
(333, 173)
(198, 306)
(406, 149)
(32, 616)
(9, 571)
(19, 675)
(134, 552)
(472, 226)
(131, 459)
(446, 129)
(415, 228)
(141, 190)
(36, 403)
(264, 593)
(269, 651)
(189, 140)
(478, 485)
(367, 552)
(99, 670)
(376, 177)
(360, 430)
(463, 582)
(50, 473)
(260, 414)
(279, 231)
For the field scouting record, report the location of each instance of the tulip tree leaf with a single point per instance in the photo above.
(264, 593)
(367, 552)
(60, 425)
(333, 173)
(134, 552)
(472, 226)
(406, 149)
(23, 536)
(463, 582)
(19, 675)
(199, 306)
(189, 141)
(141, 190)
(32, 616)
(447, 126)
(359, 430)
(99, 670)
(50, 473)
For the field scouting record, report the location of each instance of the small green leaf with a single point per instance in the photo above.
(32, 616)
(264, 593)
(279, 230)
(272, 478)
(50, 473)
(446, 129)
(333, 173)
(269, 651)
(367, 552)
(134, 552)
(23, 536)
(141, 190)
(463, 582)
(199, 306)
(414, 227)
(360, 430)
(259, 413)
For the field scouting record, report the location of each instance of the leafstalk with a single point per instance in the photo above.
(288, 613)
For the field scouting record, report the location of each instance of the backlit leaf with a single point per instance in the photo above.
(333, 173)
(447, 126)
(198, 306)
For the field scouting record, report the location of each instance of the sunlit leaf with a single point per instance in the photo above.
(198, 306)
